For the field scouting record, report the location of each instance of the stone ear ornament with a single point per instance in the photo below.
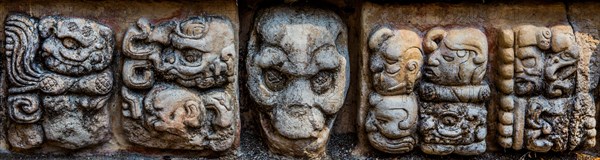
(541, 107)
(298, 73)
(180, 84)
(453, 93)
(59, 79)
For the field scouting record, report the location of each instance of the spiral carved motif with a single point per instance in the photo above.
(24, 108)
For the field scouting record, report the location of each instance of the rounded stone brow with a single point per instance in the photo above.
(278, 17)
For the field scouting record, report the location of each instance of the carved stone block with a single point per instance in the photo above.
(180, 84)
(452, 110)
(539, 108)
(298, 73)
(59, 81)
(395, 61)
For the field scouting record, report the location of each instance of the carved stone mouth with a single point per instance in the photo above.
(58, 65)
(297, 146)
(521, 80)
(430, 73)
(449, 133)
(88, 61)
(298, 121)
(400, 145)
(524, 85)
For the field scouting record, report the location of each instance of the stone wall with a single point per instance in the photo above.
(295, 79)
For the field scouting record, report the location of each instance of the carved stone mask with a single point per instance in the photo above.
(298, 72)
(391, 122)
(396, 61)
(528, 70)
(454, 124)
(561, 64)
(172, 110)
(60, 82)
(193, 56)
(529, 60)
(74, 46)
(455, 57)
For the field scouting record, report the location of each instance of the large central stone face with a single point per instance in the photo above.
(298, 74)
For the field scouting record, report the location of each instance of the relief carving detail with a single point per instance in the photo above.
(59, 81)
(298, 73)
(453, 94)
(180, 84)
(395, 64)
(539, 107)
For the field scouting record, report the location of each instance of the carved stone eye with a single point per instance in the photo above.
(390, 60)
(321, 82)
(449, 119)
(192, 56)
(274, 79)
(565, 56)
(462, 53)
(70, 43)
(381, 120)
(448, 58)
(529, 62)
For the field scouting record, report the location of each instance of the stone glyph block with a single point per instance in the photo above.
(180, 84)
(395, 63)
(446, 111)
(60, 82)
(423, 82)
(539, 108)
(298, 73)
(453, 94)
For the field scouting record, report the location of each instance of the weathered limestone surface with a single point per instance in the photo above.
(586, 29)
(168, 79)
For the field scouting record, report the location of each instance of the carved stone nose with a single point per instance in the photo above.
(433, 62)
(298, 110)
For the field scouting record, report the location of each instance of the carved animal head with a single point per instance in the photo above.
(396, 60)
(456, 56)
(561, 64)
(298, 71)
(452, 123)
(173, 110)
(196, 52)
(75, 46)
